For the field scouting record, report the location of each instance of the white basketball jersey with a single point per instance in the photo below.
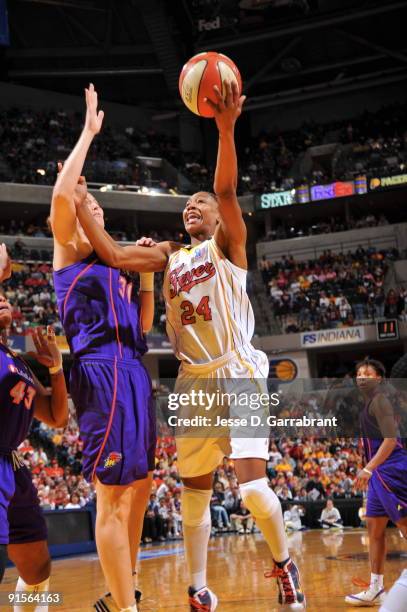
(208, 310)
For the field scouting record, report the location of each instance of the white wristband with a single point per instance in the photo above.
(367, 471)
(147, 281)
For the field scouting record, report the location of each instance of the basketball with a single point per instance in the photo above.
(200, 74)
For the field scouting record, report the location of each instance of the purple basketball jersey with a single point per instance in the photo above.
(100, 310)
(21, 518)
(373, 437)
(387, 489)
(17, 392)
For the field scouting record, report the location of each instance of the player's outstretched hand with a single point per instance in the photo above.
(5, 263)
(227, 109)
(94, 118)
(47, 351)
(146, 242)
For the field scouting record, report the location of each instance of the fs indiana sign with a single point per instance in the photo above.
(332, 337)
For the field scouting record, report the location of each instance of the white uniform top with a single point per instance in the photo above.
(208, 310)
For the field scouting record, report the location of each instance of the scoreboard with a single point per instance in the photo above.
(387, 330)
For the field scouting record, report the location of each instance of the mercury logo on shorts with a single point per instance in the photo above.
(112, 459)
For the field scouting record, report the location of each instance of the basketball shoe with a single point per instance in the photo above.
(203, 600)
(372, 596)
(288, 580)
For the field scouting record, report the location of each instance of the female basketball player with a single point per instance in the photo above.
(105, 322)
(210, 324)
(22, 526)
(384, 476)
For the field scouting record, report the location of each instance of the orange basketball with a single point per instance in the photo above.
(200, 74)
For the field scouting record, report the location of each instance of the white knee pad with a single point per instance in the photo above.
(195, 507)
(259, 498)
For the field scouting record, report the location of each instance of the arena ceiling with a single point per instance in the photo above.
(287, 50)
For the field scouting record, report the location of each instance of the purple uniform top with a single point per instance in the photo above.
(373, 437)
(21, 519)
(17, 393)
(100, 310)
(387, 488)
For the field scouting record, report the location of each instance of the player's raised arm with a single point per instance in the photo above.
(231, 233)
(132, 258)
(68, 184)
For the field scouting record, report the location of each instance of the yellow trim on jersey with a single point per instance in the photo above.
(214, 246)
(192, 248)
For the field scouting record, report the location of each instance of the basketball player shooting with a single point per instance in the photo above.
(23, 532)
(210, 323)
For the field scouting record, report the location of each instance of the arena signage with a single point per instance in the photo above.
(205, 25)
(275, 200)
(334, 190)
(330, 337)
(304, 193)
(387, 330)
(388, 181)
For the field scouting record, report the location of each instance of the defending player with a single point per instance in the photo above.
(23, 533)
(210, 323)
(105, 322)
(385, 476)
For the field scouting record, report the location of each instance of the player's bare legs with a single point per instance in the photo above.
(402, 525)
(196, 524)
(265, 507)
(376, 528)
(33, 564)
(141, 492)
(114, 514)
(263, 504)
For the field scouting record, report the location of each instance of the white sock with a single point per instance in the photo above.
(31, 588)
(129, 609)
(396, 599)
(376, 581)
(196, 519)
(265, 506)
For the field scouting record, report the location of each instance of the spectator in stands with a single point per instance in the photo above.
(292, 517)
(242, 520)
(74, 502)
(315, 489)
(218, 511)
(330, 516)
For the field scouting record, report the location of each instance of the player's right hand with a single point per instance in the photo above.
(5, 263)
(94, 119)
(146, 242)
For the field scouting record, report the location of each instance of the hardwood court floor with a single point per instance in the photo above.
(328, 561)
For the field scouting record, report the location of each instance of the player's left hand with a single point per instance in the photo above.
(362, 480)
(227, 109)
(48, 353)
(5, 263)
(146, 242)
